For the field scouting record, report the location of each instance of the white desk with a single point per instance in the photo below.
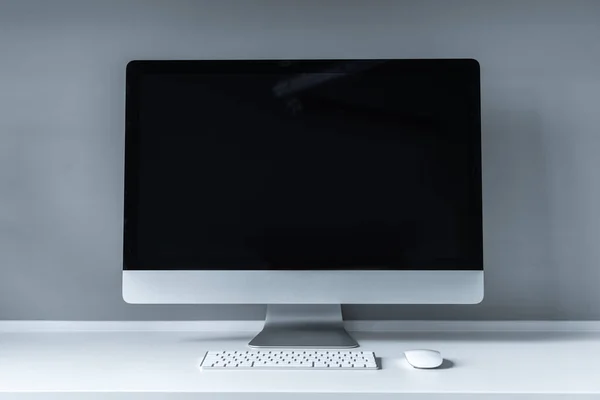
(152, 364)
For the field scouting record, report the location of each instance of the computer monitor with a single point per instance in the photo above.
(303, 184)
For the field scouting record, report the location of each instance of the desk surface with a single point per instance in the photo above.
(477, 363)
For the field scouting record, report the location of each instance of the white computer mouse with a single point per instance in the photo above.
(424, 358)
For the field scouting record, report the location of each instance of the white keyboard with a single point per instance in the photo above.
(289, 359)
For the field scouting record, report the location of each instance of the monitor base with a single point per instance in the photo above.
(318, 326)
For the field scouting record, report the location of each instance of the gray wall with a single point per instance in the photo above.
(61, 138)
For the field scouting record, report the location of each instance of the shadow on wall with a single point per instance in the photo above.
(422, 338)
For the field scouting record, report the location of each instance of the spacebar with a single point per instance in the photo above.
(282, 366)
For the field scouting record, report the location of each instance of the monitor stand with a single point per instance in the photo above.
(304, 326)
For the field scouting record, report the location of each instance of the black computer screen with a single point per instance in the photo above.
(330, 164)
